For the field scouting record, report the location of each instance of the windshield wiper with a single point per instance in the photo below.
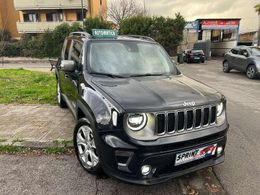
(145, 75)
(109, 75)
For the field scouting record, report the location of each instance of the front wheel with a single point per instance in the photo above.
(85, 147)
(226, 67)
(251, 72)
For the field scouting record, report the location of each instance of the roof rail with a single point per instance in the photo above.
(138, 37)
(82, 34)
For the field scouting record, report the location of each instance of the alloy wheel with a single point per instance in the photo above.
(86, 147)
(250, 72)
(225, 67)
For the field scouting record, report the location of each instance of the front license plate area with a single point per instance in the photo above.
(195, 154)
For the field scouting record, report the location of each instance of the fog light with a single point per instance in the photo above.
(219, 150)
(146, 169)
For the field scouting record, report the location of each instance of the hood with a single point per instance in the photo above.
(156, 93)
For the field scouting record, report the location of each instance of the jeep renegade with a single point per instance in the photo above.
(138, 118)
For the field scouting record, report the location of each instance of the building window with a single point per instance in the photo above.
(31, 17)
(229, 35)
(216, 36)
(79, 15)
(54, 17)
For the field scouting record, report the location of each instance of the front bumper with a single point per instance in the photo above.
(125, 164)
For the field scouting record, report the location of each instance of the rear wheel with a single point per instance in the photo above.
(226, 67)
(251, 71)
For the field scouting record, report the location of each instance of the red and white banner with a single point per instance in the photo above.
(219, 24)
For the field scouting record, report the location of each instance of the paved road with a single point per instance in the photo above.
(240, 174)
(38, 66)
(63, 175)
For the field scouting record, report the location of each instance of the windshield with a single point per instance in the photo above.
(129, 58)
(255, 51)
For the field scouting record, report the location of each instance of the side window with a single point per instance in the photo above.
(67, 50)
(75, 54)
(234, 51)
(243, 52)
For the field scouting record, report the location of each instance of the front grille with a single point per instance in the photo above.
(185, 120)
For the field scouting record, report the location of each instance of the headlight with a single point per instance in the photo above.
(136, 122)
(220, 109)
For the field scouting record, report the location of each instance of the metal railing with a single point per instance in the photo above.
(48, 4)
(37, 27)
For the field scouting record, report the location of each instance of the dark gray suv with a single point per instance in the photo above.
(138, 118)
(245, 59)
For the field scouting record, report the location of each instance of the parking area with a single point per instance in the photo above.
(240, 174)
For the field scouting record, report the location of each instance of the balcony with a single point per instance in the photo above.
(37, 27)
(48, 4)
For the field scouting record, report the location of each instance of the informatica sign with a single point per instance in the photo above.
(219, 24)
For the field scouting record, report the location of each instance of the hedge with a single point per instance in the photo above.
(167, 31)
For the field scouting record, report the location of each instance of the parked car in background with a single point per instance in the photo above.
(245, 59)
(194, 56)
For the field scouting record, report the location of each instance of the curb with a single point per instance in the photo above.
(39, 144)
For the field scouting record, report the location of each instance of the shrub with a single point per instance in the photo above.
(5, 35)
(95, 23)
(137, 25)
(10, 49)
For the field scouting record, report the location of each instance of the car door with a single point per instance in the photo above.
(241, 60)
(231, 57)
(75, 54)
(63, 76)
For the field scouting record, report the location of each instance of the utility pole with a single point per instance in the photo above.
(82, 13)
(144, 8)
(258, 29)
(101, 10)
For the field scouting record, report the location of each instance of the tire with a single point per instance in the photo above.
(85, 147)
(202, 61)
(60, 100)
(226, 67)
(251, 72)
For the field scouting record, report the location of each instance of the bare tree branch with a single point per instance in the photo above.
(119, 10)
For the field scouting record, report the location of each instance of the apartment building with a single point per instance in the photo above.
(8, 17)
(37, 16)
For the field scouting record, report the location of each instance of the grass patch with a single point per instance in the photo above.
(2, 140)
(11, 149)
(27, 87)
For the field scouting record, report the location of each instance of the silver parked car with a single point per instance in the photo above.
(245, 59)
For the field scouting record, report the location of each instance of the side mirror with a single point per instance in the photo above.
(68, 65)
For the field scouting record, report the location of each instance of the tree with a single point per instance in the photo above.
(257, 9)
(119, 10)
(167, 31)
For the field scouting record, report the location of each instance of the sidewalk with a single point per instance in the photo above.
(36, 126)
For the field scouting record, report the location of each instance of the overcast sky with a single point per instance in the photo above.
(193, 9)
